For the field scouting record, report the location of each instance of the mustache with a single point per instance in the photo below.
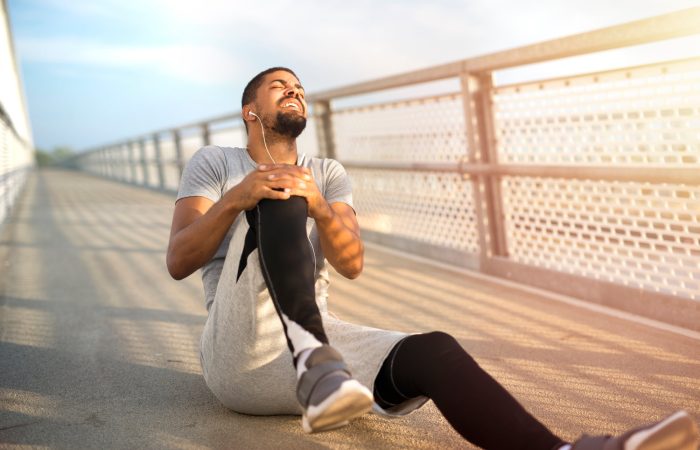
(292, 97)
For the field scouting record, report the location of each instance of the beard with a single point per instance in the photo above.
(289, 124)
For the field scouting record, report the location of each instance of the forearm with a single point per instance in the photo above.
(341, 245)
(197, 243)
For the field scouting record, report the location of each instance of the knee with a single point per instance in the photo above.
(437, 339)
(438, 345)
(294, 207)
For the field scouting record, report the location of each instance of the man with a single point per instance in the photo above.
(261, 222)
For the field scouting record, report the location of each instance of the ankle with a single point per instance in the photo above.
(312, 356)
(301, 360)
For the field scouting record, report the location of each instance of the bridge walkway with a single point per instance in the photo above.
(99, 345)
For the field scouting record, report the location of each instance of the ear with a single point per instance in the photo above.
(245, 112)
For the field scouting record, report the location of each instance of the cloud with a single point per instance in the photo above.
(331, 42)
(190, 62)
(339, 42)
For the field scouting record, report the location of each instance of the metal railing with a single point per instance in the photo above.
(587, 185)
(16, 159)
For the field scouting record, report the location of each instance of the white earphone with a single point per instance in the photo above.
(251, 113)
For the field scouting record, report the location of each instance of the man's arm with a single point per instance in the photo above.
(340, 239)
(199, 225)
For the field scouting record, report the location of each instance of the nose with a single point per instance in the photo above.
(291, 91)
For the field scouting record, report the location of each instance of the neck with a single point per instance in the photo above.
(282, 151)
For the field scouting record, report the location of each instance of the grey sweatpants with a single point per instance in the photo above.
(244, 354)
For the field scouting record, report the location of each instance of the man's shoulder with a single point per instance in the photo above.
(218, 152)
(213, 156)
(323, 164)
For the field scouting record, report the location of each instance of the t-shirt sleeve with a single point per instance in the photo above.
(204, 175)
(338, 187)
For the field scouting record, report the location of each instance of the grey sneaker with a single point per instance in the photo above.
(328, 394)
(676, 432)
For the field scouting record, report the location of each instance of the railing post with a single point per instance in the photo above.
(324, 129)
(179, 160)
(480, 127)
(118, 167)
(144, 161)
(205, 134)
(111, 168)
(124, 162)
(109, 153)
(159, 161)
(132, 162)
(105, 163)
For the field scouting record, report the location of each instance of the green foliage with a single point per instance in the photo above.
(53, 157)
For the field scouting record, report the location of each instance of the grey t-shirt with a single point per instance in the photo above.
(213, 170)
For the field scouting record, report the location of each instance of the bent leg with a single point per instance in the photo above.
(288, 266)
(476, 405)
(326, 391)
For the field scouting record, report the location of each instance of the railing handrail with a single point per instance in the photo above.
(7, 120)
(667, 26)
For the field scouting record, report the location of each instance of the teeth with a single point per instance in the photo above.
(293, 105)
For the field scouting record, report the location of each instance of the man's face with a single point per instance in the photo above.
(281, 105)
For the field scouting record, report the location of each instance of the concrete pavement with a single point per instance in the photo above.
(99, 346)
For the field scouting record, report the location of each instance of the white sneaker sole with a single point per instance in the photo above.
(676, 432)
(351, 400)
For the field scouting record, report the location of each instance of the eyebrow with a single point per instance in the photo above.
(285, 83)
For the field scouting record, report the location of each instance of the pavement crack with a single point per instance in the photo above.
(19, 425)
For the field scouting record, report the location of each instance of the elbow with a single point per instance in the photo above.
(354, 271)
(177, 275)
(353, 275)
(174, 269)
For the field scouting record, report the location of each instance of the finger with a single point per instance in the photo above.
(282, 184)
(288, 174)
(307, 175)
(277, 195)
(299, 193)
(278, 170)
(275, 166)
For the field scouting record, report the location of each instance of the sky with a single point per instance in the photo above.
(100, 71)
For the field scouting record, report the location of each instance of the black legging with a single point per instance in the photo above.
(278, 231)
(480, 409)
(432, 364)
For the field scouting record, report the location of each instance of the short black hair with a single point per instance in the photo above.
(252, 87)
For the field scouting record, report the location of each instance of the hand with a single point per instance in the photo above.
(301, 183)
(279, 182)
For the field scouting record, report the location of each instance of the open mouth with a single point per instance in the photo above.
(291, 105)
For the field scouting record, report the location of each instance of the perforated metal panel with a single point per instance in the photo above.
(429, 129)
(307, 142)
(636, 234)
(434, 208)
(15, 159)
(633, 117)
(229, 137)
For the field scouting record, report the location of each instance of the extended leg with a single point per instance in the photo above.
(484, 413)
(476, 405)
